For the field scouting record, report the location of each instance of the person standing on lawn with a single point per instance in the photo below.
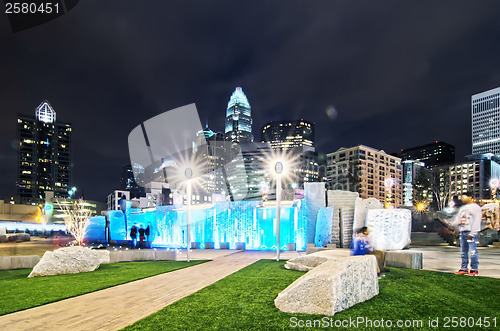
(468, 222)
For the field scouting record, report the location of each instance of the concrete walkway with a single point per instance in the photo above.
(447, 259)
(119, 306)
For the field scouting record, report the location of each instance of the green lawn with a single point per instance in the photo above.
(18, 292)
(245, 301)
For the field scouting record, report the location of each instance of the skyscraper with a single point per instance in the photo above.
(238, 127)
(127, 183)
(285, 135)
(296, 137)
(485, 112)
(431, 155)
(211, 154)
(44, 155)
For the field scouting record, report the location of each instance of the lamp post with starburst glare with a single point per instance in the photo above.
(188, 173)
(278, 170)
(494, 183)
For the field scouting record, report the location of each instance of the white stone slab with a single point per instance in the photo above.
(361, 207)
(323, 234)
(390, 229)
(333, 286)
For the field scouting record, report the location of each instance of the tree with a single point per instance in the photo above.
(422, 187)
(353, 177)
(441, 189)
(76, 218)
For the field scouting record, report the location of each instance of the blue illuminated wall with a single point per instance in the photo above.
(232, 222)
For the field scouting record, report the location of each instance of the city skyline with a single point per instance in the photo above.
(397, 76)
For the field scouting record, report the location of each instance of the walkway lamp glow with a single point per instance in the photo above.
(389, 183)
(494, 182)
(278, 169)
(188, 173)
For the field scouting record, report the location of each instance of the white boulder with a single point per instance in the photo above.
(331, 287)
(390, 229)
(69, 260)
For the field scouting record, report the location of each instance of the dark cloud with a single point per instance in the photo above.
(397, 74)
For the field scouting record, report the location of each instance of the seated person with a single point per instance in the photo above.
(360, 245)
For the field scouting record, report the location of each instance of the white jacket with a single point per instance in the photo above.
(473, 215)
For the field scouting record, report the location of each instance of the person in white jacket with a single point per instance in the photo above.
(468, 222)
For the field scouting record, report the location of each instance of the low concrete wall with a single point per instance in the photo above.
(18, 237)
(18, 262)
(398, 259)
(404, 259)
(142, 255)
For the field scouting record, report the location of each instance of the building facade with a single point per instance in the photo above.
(247, 173)
(44, 155)
(370, 172)
(485, 112)
(238, 126)
(128, 183)
(296, 138)
(417, 183)
(432, 155)
(473, 176)
(287, 135)
(212, 151)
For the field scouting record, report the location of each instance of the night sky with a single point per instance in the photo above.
(387, 74)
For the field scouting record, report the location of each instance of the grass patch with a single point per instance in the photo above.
(245, 301)
(19, 292)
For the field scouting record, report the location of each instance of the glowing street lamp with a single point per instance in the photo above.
(389, 182)
(72, 192)
(188, 173)
(278, 169)
(494, 182)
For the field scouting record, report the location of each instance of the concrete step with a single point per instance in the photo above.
(427, 239)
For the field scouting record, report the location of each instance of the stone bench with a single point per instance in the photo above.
(142, 255)
(404, 259)
(18, 237)
(18, 262)
(399, 259)
(335, 283)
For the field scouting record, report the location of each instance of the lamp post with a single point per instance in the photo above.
(388, 189)
(494, 187)
(188, 173)
(278, 169)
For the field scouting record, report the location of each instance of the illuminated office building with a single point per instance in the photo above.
(238, 126)
(485, 112)
(247, 172)
(286, 135)
(296, 137)
(44, 155)
(473, 176)
(129, 184)
(432, 155)
(371, 172)
(412, 170)
(211, 154)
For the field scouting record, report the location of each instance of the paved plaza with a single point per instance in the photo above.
(116, 307)
(447, 259)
